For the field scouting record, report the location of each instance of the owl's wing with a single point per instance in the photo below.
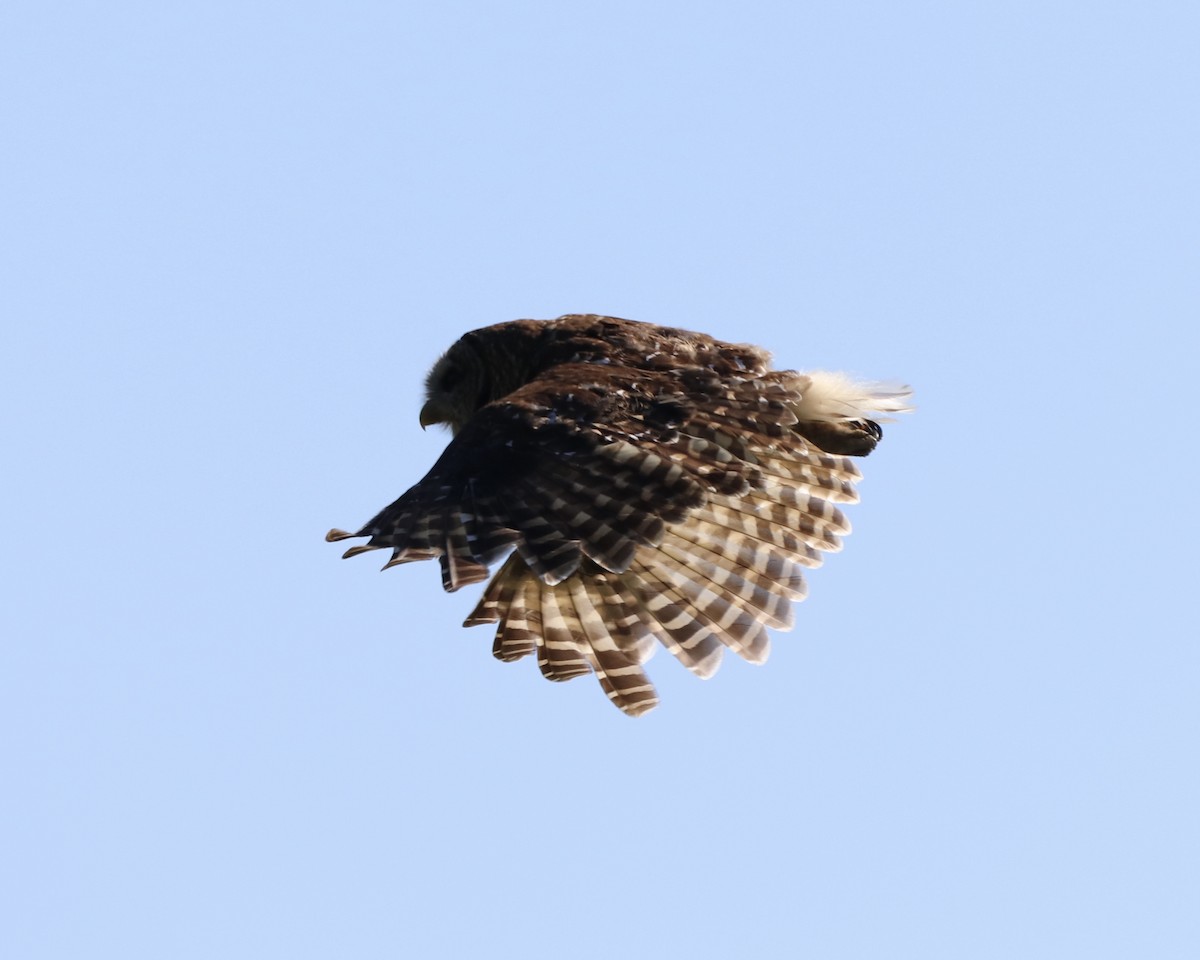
(676, 508)
(529, 474)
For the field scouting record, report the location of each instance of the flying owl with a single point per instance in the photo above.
(648, 484)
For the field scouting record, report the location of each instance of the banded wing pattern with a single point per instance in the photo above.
(675, 508)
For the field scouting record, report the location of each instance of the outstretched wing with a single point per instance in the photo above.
(673, 506)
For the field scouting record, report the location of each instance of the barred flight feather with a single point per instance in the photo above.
(623, 613)
(618, 670)
(559, 643)
(687, 635)
(719, 622)
(517, 636)
(772, 566)
(725, 582)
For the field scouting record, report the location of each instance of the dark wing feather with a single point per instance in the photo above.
(557, 487)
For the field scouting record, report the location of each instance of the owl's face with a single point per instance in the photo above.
(454, 388)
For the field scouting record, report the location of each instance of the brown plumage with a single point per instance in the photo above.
(658, 486)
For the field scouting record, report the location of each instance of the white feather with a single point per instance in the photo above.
(836, 396)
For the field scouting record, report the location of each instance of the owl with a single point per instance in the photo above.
(638, 485)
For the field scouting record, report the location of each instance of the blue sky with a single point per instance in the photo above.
(236, 236)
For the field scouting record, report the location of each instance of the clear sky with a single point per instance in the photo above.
(235, 237)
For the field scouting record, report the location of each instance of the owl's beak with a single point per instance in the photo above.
(432, 413)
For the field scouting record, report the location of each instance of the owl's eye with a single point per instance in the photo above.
(450, 378)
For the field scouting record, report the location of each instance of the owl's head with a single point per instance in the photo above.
(455, 388)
